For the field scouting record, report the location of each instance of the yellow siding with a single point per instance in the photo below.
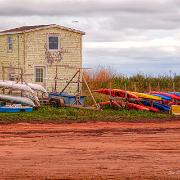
(32, 53)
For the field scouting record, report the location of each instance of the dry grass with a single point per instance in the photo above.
(106, 78)
(102, 77)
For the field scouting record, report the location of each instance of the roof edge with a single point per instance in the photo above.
(46, 27)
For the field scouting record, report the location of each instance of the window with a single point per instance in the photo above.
(9, 43)
(53, 42)
(39, 74)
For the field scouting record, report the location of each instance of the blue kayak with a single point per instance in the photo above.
(161, 107)
(163, 97)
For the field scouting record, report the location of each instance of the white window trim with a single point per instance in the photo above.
(45, 74)
(59, 42)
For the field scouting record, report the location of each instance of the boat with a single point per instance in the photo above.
(15, 86)
(146, 96)
(161, 107)
(129, 106)
(116, 93)
(173, 96)
(11, 109)
(16, 99)
(37, 87)
(176, 93)
(23, 86)
(163, 97)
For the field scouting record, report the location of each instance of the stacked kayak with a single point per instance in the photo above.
(154, 101)
(146, 96)
(116, 93)
(128, 106)
(159, 106)
(168, 95)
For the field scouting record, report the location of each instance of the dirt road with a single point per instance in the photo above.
(90, 151)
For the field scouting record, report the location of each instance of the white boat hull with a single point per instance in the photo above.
(15, 86)
(16, 99)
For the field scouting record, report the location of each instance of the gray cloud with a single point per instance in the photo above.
(71, 7)
(108, 21)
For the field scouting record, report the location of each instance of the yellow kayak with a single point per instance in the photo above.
(146, 96)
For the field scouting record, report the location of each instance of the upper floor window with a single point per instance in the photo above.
(9, 43)
(53, 42)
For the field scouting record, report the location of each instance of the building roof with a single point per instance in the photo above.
(23, 29)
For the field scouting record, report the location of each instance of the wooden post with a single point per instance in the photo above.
(110, 95)
(18, 56)
(69, 82)
(125, 88)
(150, 87)
(3, 76)
(159, 89)
(135, 88)
(174, 90)
(55, 81)
(3, 73)
(78, 84)
(90, 92)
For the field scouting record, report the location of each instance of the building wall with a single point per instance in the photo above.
(12, 57)
(32, 52)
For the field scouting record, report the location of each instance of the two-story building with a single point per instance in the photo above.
(38, 50)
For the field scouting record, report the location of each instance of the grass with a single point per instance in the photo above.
(61, 115)
(102, 78)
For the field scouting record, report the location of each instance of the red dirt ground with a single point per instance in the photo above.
(90, 151)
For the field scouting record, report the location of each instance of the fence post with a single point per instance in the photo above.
(135, 88)
(159, 89)
(174, 90)
(150, 87)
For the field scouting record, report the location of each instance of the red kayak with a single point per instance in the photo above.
(116, 93)
(151, 108)
(173, 96)
(129, 105)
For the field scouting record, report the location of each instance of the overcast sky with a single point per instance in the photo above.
(129, 36)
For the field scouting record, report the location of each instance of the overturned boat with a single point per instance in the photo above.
(15, 86)
(17, 99)
(29, 87)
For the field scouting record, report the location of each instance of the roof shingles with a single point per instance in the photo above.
(36, 27)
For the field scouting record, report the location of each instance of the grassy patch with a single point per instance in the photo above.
(58, 115)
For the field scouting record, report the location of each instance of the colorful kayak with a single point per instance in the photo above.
(146, 96)
(173, 96)
(129, 106)
(176, 93)
(163, 97)
(161, 107)
(116, 93)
